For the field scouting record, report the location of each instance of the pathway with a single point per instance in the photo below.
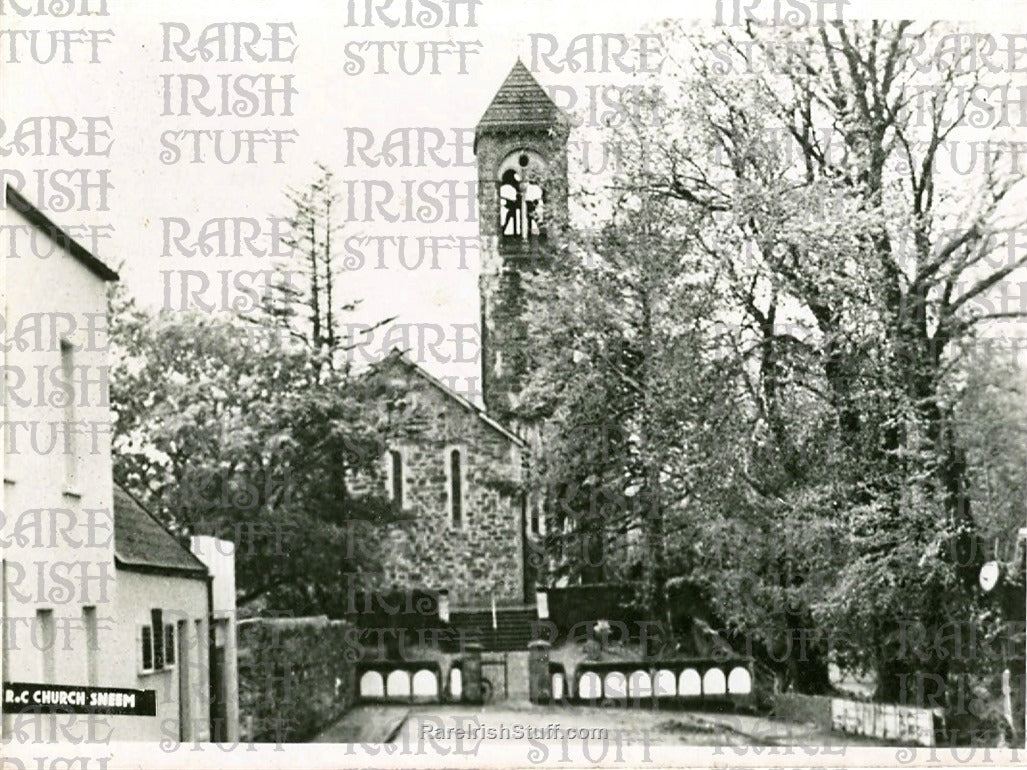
(366, 724)
(431, 725)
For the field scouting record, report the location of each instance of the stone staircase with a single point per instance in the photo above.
(512, 633)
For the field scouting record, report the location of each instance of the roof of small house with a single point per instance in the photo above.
(520, 103)
(143, 544)
(398, 356)
(40, 220)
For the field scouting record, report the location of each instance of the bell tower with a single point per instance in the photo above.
(521, 146)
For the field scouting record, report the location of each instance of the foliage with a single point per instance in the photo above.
(247, 427)
(295, 677)
(630, 391)
(813, 446)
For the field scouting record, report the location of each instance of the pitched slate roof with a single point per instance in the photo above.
(142, 543)
(520, 103)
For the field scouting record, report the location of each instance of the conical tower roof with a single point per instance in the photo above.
(520, 103)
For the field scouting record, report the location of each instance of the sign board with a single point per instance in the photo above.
(542, 602)
(990, 573)
(35, 698)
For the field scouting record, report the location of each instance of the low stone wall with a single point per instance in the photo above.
(296, 676)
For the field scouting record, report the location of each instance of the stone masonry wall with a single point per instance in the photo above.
(505, 342)
(492, 148)
(483, 557)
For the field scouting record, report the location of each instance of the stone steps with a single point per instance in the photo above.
(512, 633)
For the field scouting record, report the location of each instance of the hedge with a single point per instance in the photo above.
(296, 676)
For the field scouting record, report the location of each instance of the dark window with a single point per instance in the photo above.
(522, 199)
(169, 645)
(396, 460)
(456, 490)
(92, 644)
(157, 621)
(147, 640)
(510, 195)
(535, 515)
(48, 632)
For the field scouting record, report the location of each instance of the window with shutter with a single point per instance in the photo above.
(146, 648)
(157, 623)
(169, 645)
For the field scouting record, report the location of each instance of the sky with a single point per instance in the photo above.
(132, 84)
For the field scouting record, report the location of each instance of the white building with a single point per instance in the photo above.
(96, 597)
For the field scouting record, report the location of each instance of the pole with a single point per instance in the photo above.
(3, 487)
(524, 210)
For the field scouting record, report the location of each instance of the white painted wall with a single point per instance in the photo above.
(33, 479)
(219, 556)
(180, 599)
(43, 569)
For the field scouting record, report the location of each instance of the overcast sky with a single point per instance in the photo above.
(127, 86)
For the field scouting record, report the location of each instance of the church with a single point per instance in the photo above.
(463, 565)
(468, 530)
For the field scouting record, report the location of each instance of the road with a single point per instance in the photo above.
(462, 729)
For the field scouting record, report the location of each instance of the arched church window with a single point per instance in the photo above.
(455, 480)
(533, 199)
(394, 467)
(522, 195)
(537, 522)
(510, 197)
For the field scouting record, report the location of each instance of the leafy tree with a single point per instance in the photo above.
(989, 393)
(246, 425)
(625, 380)
(816, 155)
(225, 432)
(304, 300)
(803, 172)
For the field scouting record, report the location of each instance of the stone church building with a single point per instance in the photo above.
(452, 473)
(467, 529)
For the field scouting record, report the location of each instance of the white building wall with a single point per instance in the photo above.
(57, 531)
(67, 562)
(180, 599)
(219, 557)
